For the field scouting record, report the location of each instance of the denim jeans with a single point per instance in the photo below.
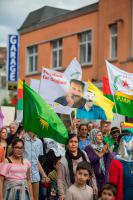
(17, 195)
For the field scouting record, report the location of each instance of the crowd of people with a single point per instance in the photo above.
(96, 164)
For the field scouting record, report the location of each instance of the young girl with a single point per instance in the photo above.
(14, 175)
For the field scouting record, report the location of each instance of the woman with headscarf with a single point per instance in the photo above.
(67, 167)
(121, 169)
(99, 156)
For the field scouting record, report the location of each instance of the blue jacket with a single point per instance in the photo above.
(95, 112)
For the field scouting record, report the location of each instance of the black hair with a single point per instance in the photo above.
(19, 129)
(71, 135)
(82, 125)
(78, 82)
(114, 130)
(110, 186)
(85, 166)
(16, 140)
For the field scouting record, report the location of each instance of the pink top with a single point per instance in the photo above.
(13, 172)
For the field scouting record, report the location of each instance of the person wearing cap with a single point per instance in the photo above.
(89, 110)
(115, 132)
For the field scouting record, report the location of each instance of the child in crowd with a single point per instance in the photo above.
(80, 190)
(108, 192)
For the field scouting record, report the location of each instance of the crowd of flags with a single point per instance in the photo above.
(116, 97)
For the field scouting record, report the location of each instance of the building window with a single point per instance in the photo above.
(32, 53)
(86, 47)
(113, 41)
(57, 53)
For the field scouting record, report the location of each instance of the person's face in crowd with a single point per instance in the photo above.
(22, 135)
(73, 145)
(76, 91)
(107, 195)
(96, 125)
(115, 136)
(82, 175)
(83, 130)
(106, 128)
(99, 137)
(90, 126)
(18, 150)
(13, 129)
(76, 122)
(31, 134)
(75, 125)
(3, 134)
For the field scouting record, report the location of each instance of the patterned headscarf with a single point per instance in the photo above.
(97, 147)
(126, 148)
(93, 134)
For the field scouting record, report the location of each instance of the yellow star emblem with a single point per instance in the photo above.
(43, 123)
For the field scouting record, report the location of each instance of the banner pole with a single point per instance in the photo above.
(40, 83)
(115, 106)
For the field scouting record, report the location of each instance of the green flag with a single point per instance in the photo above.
(40, 118)
(124, 102)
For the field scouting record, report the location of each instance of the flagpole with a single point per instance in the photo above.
(40, 83)
(115, 106)
(114, 103)
(112, 91)
(71, 119)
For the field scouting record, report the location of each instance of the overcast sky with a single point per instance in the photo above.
(14, 12)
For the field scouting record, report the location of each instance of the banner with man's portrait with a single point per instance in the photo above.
(67, 95)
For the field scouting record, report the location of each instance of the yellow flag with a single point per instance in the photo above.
(102, 101)
(20, 84)
(129, 125)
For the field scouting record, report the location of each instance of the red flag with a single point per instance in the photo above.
(106, 87)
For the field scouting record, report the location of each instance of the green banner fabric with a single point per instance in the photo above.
(40, 118)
